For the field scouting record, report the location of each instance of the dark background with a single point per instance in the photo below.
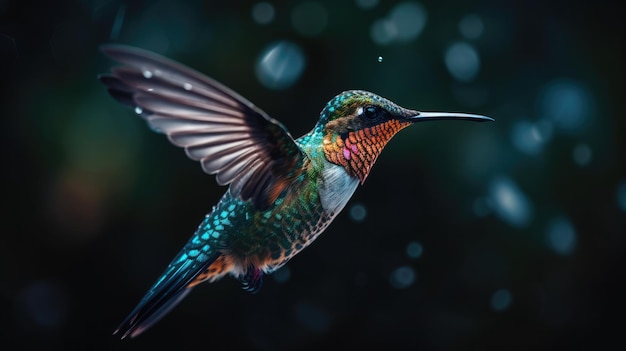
(520, 222)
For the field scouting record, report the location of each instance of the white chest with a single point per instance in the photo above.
(336, 188)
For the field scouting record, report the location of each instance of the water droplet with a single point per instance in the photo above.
(582, 154)
(462, 61)
(366, 4)
(471, 26)
(501, 300)
(561, 236)
(380, 59)
(187, 86)
(402, 277)
(147, 74)
(138, 110)
(309, 18)
(414, 249)
(280, 65)
(509, 202)
(263, 13)
(358, 212)
(621, 195)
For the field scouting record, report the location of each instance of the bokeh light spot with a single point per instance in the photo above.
(404, 23)
(366, 4)
(462, 61)
(621, 195)
(312, 317)
(309, 18)
(409, 18)
(509, 202)
(383, 31)
(402, 277)
(567, 104)
(561, 236)
(263, 13)
(530, 138)
(280, 65)
(43, 304)
(414, 249)
(471, 26)
(501, 300)
(582, 154)
(282, 274)
(358, 212)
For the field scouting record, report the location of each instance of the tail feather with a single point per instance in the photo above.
(166, 293)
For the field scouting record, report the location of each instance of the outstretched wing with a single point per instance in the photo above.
(231, 137)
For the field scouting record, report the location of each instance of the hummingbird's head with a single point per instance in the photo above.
(357, 125)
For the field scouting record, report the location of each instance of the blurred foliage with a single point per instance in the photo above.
(506, 235)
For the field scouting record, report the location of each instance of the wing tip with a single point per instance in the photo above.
(130, 55)
(114, 49)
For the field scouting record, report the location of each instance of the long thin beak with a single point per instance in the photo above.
(435, 116)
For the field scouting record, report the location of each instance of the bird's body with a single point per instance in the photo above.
(283, 192)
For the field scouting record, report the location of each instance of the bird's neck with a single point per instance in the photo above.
(357, 151)
(332, 182)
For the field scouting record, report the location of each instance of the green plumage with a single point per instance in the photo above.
(282, 192)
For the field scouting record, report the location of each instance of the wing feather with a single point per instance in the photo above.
(231, 137)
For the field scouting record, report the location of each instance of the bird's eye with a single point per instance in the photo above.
(371, 112)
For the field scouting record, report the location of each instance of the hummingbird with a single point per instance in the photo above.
(282, 192)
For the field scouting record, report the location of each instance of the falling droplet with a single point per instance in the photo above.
(380, 59)
(146, 74)
(138, 110)
(187, 86)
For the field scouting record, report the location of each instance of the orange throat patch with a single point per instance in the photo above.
(357, 151)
